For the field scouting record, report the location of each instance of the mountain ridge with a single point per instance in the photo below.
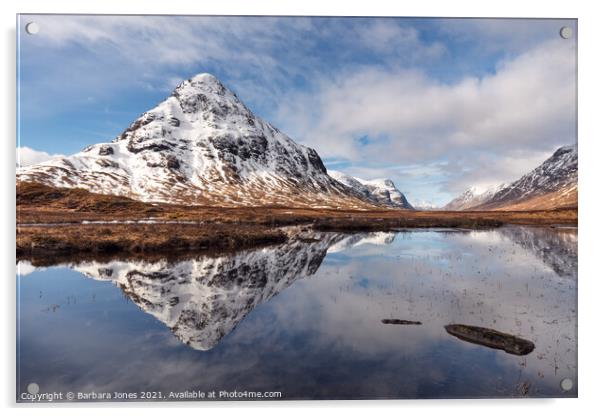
(551, 185)
(201, 146)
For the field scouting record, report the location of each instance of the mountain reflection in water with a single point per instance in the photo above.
(305, 317)
(203, 299)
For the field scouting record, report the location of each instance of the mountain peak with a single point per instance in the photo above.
(200, 83)
(204, 93)
(564, 149)
(204, 77)
(382, 182)
(203, 146)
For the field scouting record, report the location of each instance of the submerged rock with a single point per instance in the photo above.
(400, 322)
(491, 338)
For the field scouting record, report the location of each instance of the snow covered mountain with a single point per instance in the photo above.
(472, 197)
(553, 184)
(379, 191)
(201, 145)
(423, 205)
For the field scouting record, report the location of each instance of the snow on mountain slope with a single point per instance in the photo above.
(203, 299)
(552, 184)
(379, 191)
(201, 145)
(472, 197)
(423, 205)
(554, 180)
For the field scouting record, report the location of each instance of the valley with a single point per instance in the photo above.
(200, 172)
(53, 221)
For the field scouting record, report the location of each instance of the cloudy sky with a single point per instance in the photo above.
(437, 105)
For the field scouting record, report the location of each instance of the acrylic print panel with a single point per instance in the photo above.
(282, 208)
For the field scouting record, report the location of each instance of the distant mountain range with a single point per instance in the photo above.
(378, 191)
(553, 184)
(423, 205)
(472, 197)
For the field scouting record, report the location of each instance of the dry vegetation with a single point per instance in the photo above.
(215, 227)
(141, 238)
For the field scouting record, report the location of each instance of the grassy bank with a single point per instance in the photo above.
(144, 239)
(215, 228)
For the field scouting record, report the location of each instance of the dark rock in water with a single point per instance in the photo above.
(491, 338)
(400, 322)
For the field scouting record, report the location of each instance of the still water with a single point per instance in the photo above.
(304, 319)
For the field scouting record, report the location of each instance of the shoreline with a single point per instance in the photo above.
(53, 221)
(146, 238)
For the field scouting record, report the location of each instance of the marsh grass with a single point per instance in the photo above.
(213, 227)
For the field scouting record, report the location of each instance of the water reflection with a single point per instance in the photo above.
(201, 300)
(557, 248)
(306, 318)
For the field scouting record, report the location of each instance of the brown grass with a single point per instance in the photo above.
(99, 239)
(221, 228)
(74, 199)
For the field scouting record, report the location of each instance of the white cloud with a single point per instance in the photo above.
(27, 156)
(490, 129)
(24, 268)
(386, 36)
(83, 56)
(260, 56)
(486, 170)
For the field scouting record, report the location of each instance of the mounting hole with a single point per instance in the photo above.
(566, 32)
(32, 28)
(33, 388)
(566, 384)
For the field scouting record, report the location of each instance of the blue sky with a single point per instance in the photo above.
(435, 104)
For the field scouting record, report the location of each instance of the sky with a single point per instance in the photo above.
(437, 105)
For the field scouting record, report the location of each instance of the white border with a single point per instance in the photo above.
(590, 72)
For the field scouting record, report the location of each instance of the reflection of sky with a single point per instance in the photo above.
(322, 336)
